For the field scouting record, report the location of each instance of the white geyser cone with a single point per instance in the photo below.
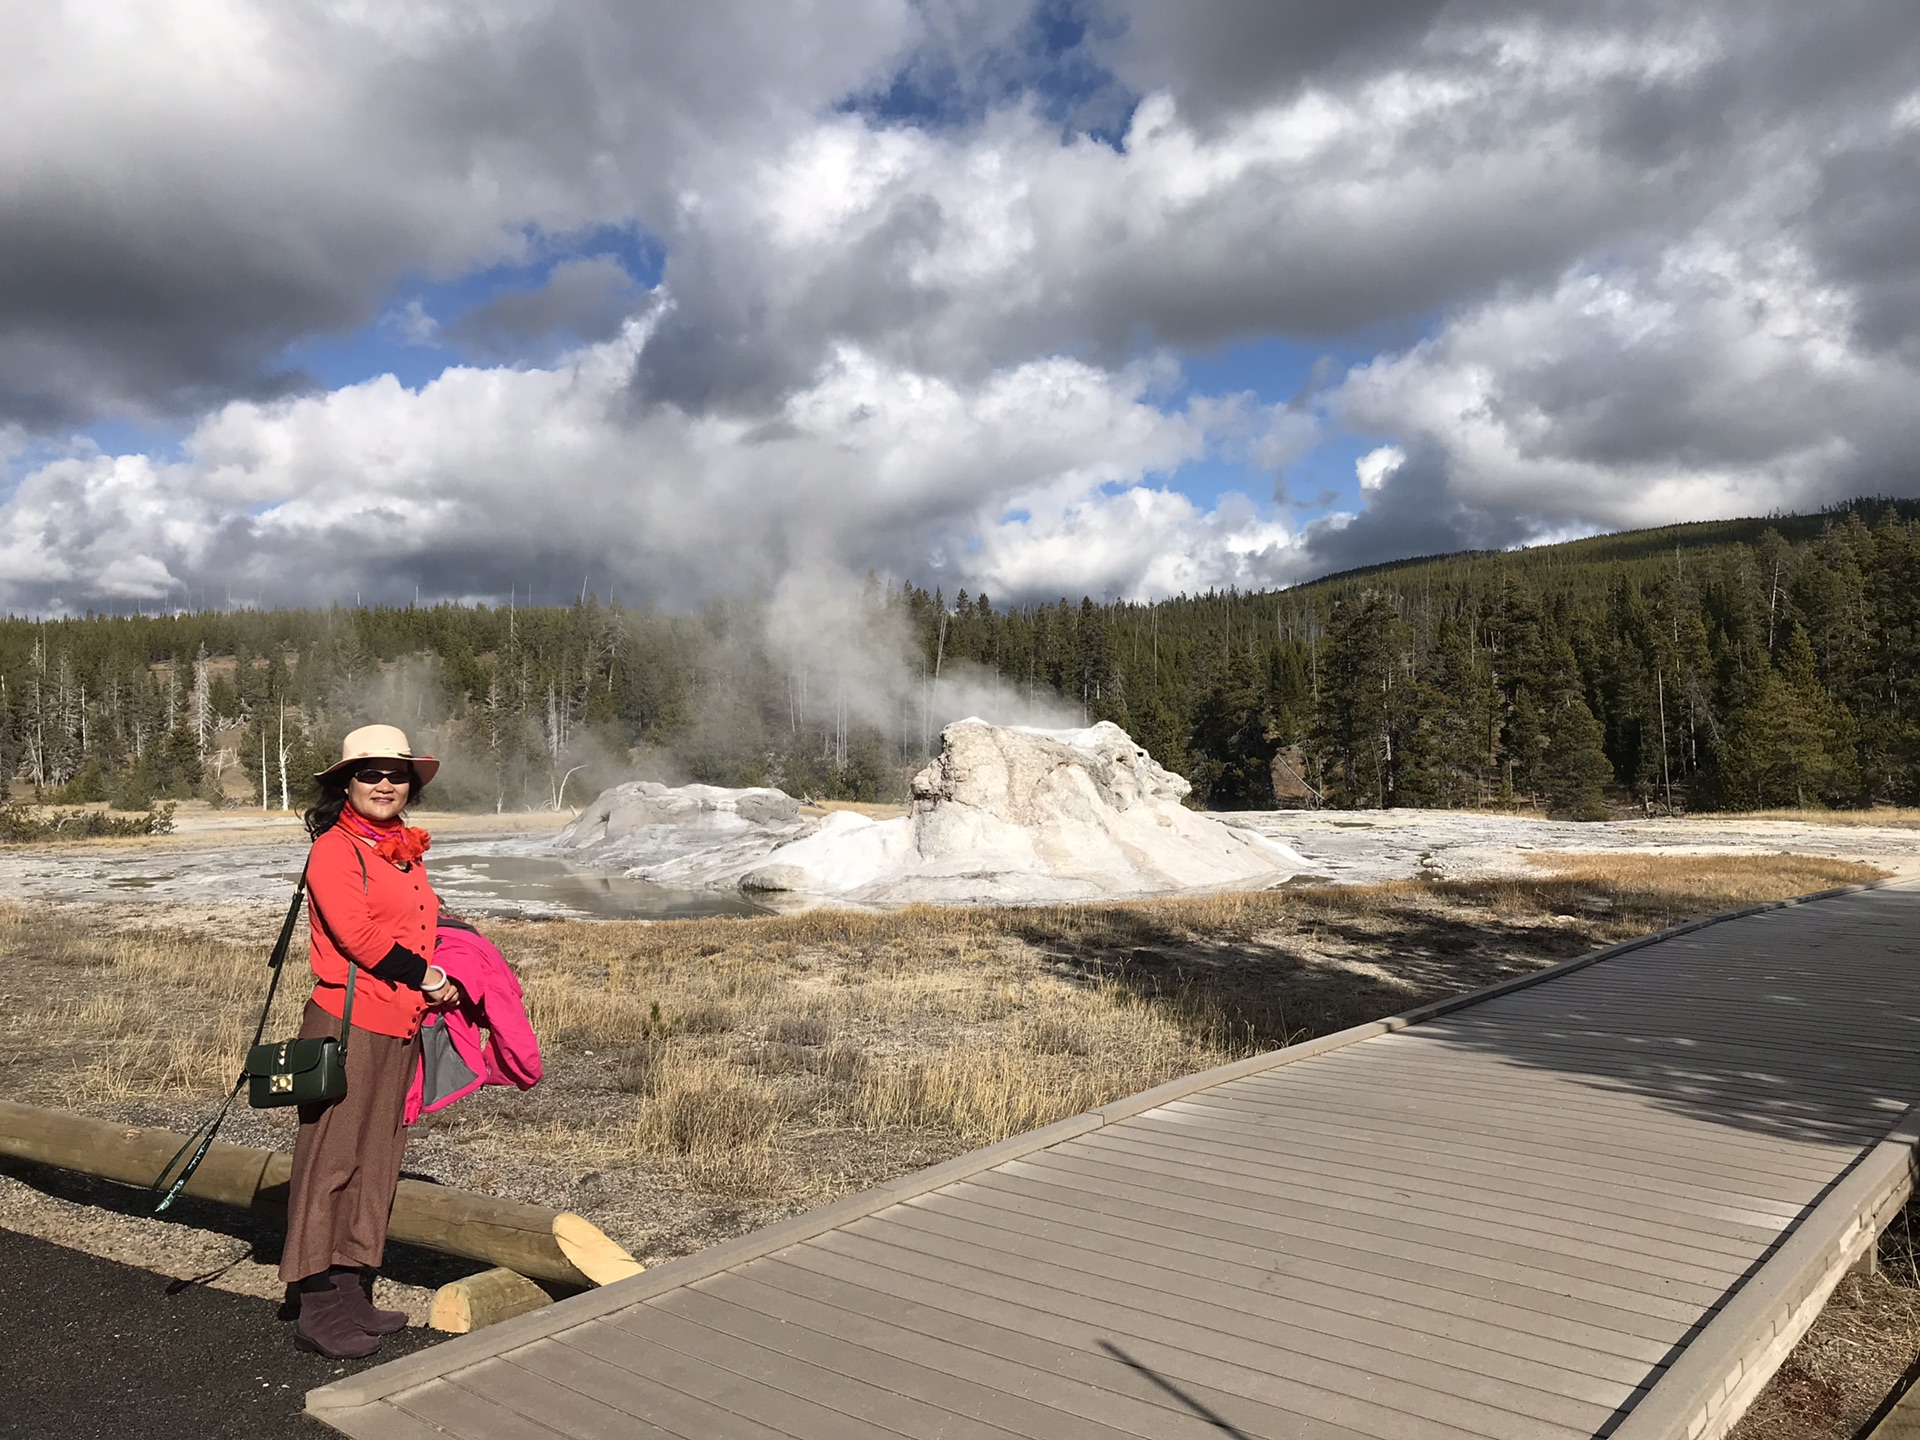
(1011, 814)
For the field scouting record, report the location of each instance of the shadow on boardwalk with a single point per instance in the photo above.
(1782, 1024)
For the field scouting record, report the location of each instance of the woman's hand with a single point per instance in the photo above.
(446, 994)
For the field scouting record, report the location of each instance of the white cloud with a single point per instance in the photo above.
(1313, 212)
(1714, 380)
(1373, 468)
(491, 478)
(413, 324)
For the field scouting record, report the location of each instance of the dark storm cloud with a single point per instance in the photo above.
(1222, 56)
(1864, 222)
(188, 196)
(582, 299)
(1414, 512)
(96, 312)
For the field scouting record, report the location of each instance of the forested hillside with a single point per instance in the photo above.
(1725, 665)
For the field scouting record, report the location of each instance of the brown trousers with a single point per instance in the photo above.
(346, 1160)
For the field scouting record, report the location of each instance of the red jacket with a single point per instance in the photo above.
(362, 906)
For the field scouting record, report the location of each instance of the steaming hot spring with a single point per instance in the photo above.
(1005, 814)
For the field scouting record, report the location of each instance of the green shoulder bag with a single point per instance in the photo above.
(282, 1072)
(301, 1072)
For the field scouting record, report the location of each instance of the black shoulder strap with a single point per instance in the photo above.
(204, 1135)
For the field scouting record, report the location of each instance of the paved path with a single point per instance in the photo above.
(1602, 1202)
(92, 1350)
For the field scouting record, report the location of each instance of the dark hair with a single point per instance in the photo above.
(324, 813)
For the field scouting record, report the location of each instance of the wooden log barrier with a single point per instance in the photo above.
(484, 1299)
(542, 1244)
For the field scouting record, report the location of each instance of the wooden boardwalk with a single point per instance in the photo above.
(1602, 1201)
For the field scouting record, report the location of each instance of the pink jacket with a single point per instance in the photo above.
(455, 1059)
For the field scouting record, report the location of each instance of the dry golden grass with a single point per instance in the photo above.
(1694, 880)
(783, 1059)
(1893, 817)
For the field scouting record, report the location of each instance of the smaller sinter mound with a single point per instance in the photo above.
(691, 835)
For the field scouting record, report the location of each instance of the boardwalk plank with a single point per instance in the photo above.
(1799, 1160)
(1219, 1332)
(520, 1384)
(1312, 1406)
(1548, 1154)
(1646, 1260)
(709, 1378)
(1418, 1243)
(827, 1371)
(988, 1357)
(1755, 1063)
(1375, 1151)
(1830, 1089)
(837, 1344)
(458, 1412)
(1496, 1351)
(388, 1422)
(1623, 1154)
(621, 1388)
(1096, 1385)
(1632, 1214)
(1588, 1098)
(1405, 1313)
(1610, 1335)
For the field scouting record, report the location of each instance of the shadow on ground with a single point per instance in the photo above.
(1263, 978)
(263, 1234)
(98, 1351)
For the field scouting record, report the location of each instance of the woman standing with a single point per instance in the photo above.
(372, 919)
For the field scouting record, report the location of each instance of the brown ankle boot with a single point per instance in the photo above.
(326, 1325)
(354, 1285)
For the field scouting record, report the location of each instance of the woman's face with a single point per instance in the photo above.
(378, 789)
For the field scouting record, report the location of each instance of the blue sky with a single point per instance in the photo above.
(382, 346)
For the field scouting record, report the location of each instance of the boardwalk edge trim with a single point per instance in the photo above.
(1707, 1389)
(335, 1402)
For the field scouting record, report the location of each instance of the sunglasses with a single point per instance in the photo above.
(374, 774)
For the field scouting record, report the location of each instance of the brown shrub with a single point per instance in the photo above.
(705, 1108)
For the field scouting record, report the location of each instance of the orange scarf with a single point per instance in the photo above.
(392, 841)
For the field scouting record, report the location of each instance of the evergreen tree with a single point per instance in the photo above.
(1233, 743)
(1793, 745)
(1728, 664)
(1458, 696)
(1361, 724)
(1576, 765)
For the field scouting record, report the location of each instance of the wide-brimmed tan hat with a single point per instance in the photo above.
(381, 742)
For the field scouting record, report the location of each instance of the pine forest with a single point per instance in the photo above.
(1724, 665)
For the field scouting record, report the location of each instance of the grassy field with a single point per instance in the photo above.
(705, 1075)
(1893, 817)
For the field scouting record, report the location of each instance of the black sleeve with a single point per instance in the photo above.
(400, 966)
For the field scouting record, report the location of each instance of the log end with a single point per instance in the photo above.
(589, 1251)
(484, 1299)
